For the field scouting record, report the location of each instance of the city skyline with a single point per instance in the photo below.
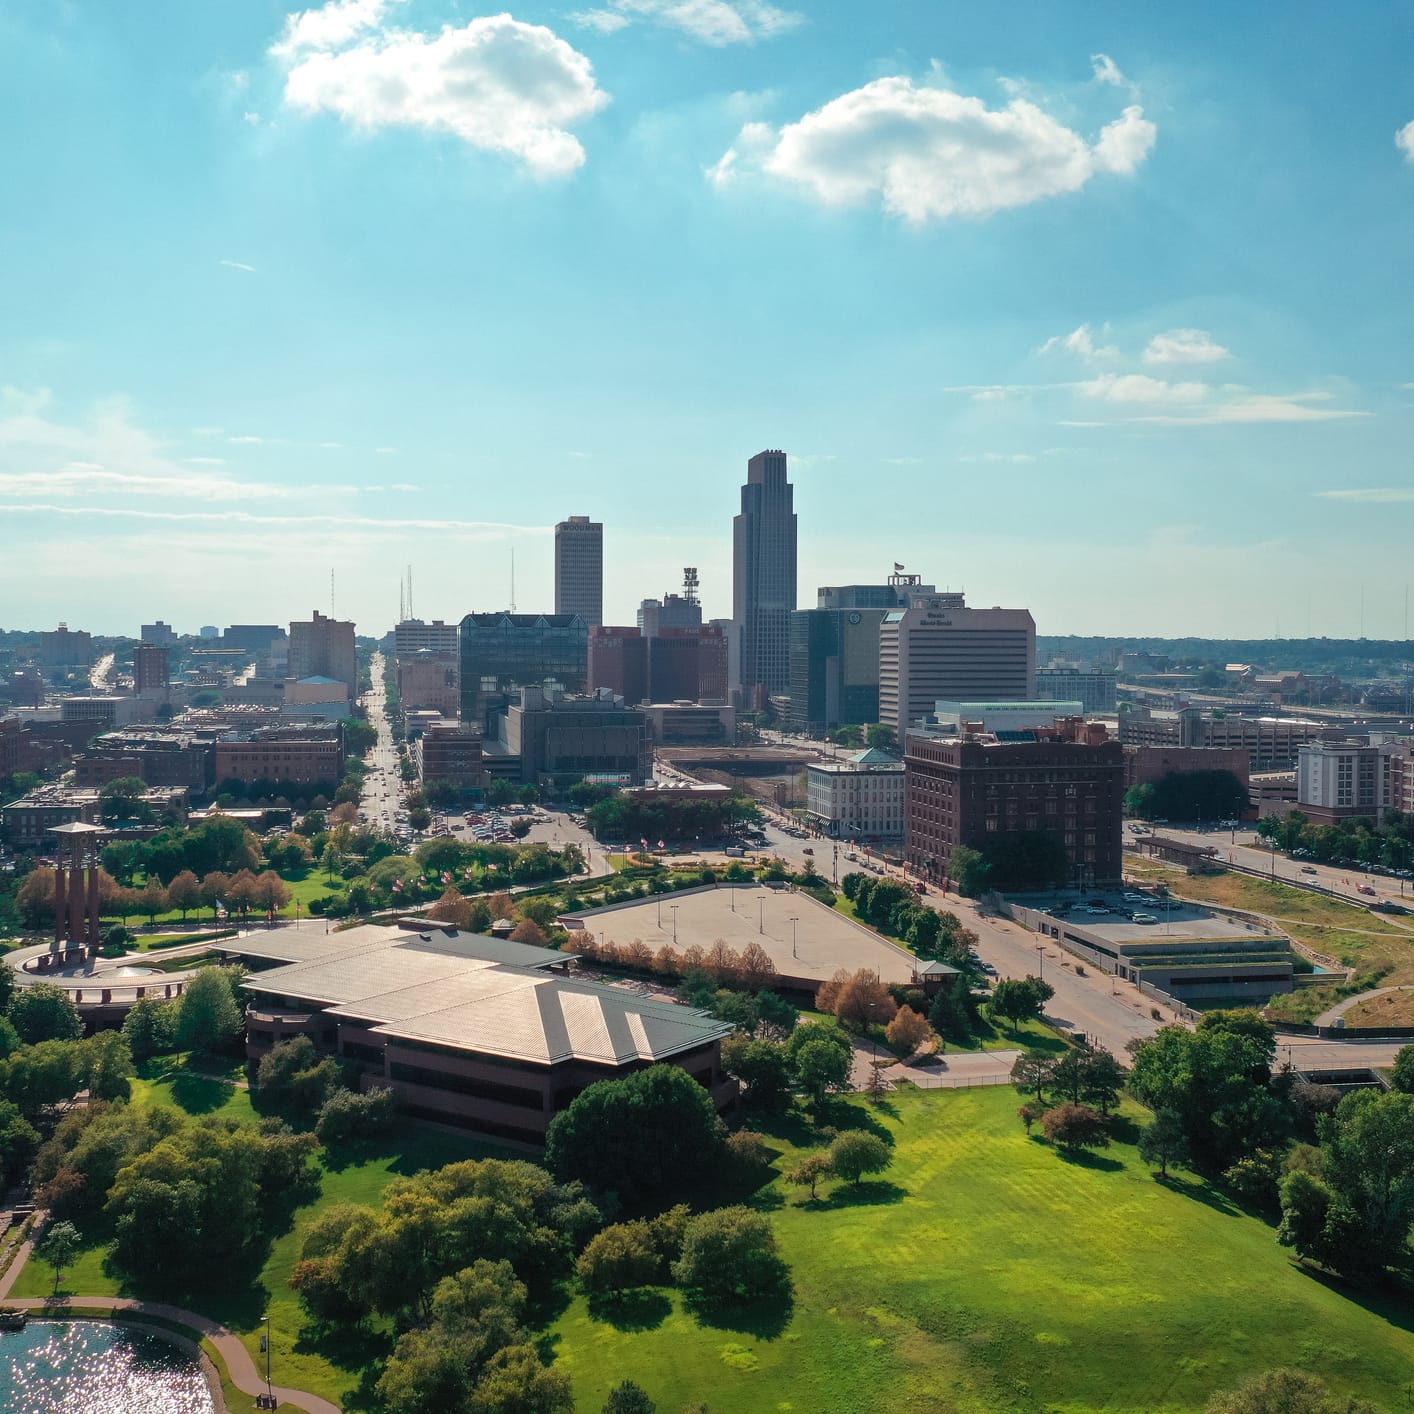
(259, 327)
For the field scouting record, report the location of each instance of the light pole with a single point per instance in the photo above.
(265, 1341)
(761, 914)
(673, 909)
(660, 911)
(1041, 959)
(794, 919)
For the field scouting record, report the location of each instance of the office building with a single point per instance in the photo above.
(64, 647)
(1148, 765)
(210, 631)
(503, 652)
(156, 755)
(1271, 743)
(859, 798)
(980, 791)
(672, 665)
(322, 647)
(413, 636)
(151, 668)
(579, 569)
(998, 718)
(560, 739)
(256, 639)
(449, 754)
(764, 579)
(690, 724)
(673, 610)
(938, 649)
(159, 633)
(1094, 689)
(429, 681)
(618, 662)
(302, 755)
(467, 1030)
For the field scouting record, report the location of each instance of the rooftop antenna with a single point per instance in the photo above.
(409, 591)
(513, 579)
(401, 614)
(689, 583)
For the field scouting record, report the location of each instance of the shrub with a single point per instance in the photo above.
(907, 1031)
(347, 1116)
(747, 1150)
(1071, 1127)
(620, 1258)
(730, 1255)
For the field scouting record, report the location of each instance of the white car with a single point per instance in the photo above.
(1143, 918)
(1093, 909)
(1136, 898)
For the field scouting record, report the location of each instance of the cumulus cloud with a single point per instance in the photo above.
(1080, 342)
(1185, 346)
(715, 22)
(1404, 140)
(329, 26)
(1107, 71)
(495, 83)
(1140, 388)
(929, 153)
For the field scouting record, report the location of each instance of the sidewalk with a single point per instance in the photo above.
(240, 1367)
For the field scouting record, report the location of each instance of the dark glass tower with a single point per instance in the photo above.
(763, 577)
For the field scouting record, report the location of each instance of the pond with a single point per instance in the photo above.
(93, 1367)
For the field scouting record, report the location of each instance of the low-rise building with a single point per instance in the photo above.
(312, 755)
(1271, 743)
(468, 1030)
(25, 823)
(1094, 687)
(1350, 780)
(958, 718)
(430, 681)
(858, 798)
(1147, 765)
(559, 738)
(690, 724)
(449, 753)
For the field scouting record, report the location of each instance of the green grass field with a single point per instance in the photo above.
(986, 1275)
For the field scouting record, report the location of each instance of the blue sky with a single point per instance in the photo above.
(1102, 309)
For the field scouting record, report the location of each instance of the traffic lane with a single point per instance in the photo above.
(1110, 1012)
(1311, 1053)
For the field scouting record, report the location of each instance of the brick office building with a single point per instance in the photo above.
(972, 790)
(304, 755)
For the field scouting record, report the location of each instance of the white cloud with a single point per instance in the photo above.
(1140, 388)
(1404, 140)
(252, 118)
(205, 461)
(929, 153)
(1107, 71)
(714, 22)
(1185, 346)
(1080, 342)
(1371, 495)
(246, 441)
(1006, 458)
(1246, 407)
(330, 26)
(236, 265)
(495, 83)
(386, 451)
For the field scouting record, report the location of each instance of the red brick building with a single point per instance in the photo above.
(975, 790)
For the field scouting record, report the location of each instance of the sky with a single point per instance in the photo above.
(1100, 309)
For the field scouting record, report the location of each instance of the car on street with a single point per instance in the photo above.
(1308, 868)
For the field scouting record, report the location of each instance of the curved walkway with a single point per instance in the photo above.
(240, 1367)
(1328, 1018)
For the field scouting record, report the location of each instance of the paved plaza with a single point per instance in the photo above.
(806, 940)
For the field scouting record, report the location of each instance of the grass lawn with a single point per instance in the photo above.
(987, 1275)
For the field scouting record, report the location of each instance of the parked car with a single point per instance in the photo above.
(1143, 918)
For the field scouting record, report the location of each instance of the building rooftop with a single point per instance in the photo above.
(471, 992)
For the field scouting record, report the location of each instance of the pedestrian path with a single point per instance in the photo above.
(240, 1367)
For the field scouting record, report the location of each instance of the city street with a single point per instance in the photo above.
(1243, 847)
(382, 785)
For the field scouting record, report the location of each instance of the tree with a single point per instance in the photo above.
(1102, 1081)
(526, 932)
(18, 1141)
(209, 1019)
(763, 1068)
(292, 1076)
(730, 1255)
(44, 1012)
(641, 1137)
(618, 1259)
(122, 800)
(517, 1382)
(1071, 1127)
(184, 893)
(108, 1062)
(1020, 999)
(628, 1398)
(907, 1031)
(151, 1027)
(1030, 1113)
(347, 1116)
(809, 1171)
(1032, 1071)
(820, 1067)
(970, 871)
(1163, 1142)
(59, 1246)
(1285, 1392)
(152, 899)
(882, 737)
(856, 1153)
(271, 893)
(757, 970)
(1403, 1073)
(7, 985)
(38, 1076)
(948, 1014)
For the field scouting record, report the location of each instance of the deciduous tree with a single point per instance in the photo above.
(856, 1153)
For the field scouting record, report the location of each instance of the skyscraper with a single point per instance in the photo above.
(579, 569)
(763, 577)
(324, 647)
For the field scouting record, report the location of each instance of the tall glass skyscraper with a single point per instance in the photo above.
(763, 577)
(501, 652)
(579, 569)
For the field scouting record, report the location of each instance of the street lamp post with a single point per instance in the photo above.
(761, 914)
(794, 919)
(673, 909)
(1041, 957)
(265, 1341)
